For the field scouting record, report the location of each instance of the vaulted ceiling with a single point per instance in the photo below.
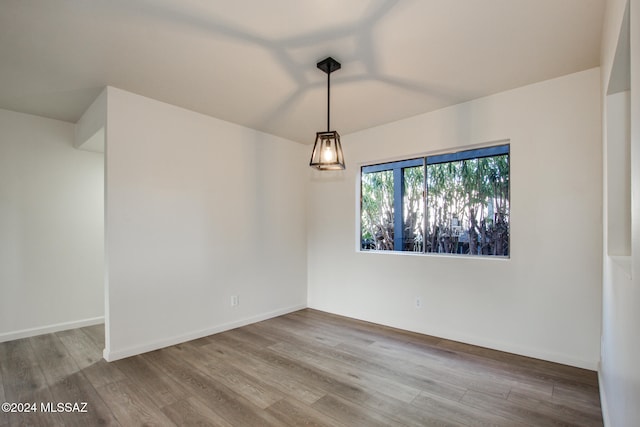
(253, 62)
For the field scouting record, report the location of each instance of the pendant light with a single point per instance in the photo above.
(327, 151)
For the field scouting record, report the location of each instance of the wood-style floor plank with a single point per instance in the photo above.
(67, 384)
(461, 414)
(579, 415)
(513, 411)
(76, 389)
(131, 405)
(349, 374)
(96, 333)
(305, 368)
(255, 366)
(385, 368)
(222, 400)
(24, 382)
(351, 414)
(82, 349)
(252, 388)
(162, 389)
(291, 412)
(87, 354)
(576, 393)
(193, 412)
(21, 373)
(392, 373)
(53, 357)
(4, 418)
(535, 367)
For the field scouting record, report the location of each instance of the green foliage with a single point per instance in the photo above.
(413, 209)
(377, 210)
(467, 208)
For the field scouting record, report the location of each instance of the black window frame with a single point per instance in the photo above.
(398, 188)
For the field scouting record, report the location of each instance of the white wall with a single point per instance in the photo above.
(51, 228)
(619, 370)
(197, 210)
(545, 300)
(89, 130)
(617, 172)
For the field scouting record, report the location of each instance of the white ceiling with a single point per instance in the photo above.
(253, 62)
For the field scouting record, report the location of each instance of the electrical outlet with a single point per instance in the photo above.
(235, 300)
(418, 302)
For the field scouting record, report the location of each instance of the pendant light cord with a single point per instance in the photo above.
(328, 100)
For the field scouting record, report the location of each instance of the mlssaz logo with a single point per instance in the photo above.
(63, 407)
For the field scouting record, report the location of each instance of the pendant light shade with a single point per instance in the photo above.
(327, 150)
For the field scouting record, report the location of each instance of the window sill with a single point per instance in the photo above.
(435, 255)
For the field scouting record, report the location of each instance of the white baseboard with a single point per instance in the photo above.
(534, 353)
(520, 350)
(48, 329)
(483, 342)
(603, 399)
(111, 356)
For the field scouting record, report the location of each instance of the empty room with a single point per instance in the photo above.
(286, 213)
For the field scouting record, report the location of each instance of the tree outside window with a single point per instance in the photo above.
(454, 203)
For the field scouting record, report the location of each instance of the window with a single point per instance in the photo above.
(386, 189)
(454, 203)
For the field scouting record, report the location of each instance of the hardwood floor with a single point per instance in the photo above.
(306, 368)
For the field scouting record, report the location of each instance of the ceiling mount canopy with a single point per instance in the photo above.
(327, 150)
